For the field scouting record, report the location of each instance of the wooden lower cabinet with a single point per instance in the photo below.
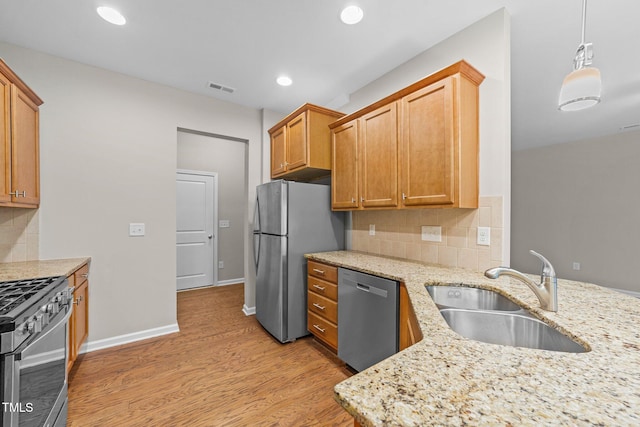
(79, 320)
(322, 303)
(409, 329)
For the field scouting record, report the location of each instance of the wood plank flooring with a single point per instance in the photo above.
(221, 369)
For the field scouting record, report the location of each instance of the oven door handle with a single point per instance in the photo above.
(43, 335)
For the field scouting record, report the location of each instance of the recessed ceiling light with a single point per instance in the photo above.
(351, 15)
(284, 81)
(111, 15)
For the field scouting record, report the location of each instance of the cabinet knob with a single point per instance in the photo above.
(353, 200)
(404, 196)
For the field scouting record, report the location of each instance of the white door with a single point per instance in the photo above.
(196, 248)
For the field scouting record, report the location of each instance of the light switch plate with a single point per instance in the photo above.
(484, 236)
(432, 233)
(136, 229)
(223, 223)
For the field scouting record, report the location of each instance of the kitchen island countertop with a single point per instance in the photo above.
(446, 379)
(40, 268)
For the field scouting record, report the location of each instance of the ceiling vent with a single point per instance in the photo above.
(220, 87)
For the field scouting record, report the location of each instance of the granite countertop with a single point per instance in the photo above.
(446, 379)
(43, 268)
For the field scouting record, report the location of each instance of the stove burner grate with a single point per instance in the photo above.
(16, 292)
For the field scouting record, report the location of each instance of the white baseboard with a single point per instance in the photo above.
(128, 338)
(248, 311)
(230, 282)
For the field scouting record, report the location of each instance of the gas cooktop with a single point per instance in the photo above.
(17, 295)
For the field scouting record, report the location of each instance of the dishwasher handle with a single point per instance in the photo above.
(372, 290)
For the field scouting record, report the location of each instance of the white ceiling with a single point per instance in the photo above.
(246, 44)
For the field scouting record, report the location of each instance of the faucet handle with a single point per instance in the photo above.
(547, 268)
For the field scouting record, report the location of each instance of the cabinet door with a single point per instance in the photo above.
(5, 139)
(344, 170)
(80, 328)
(428, 146)
(296, 154)
(278, 150)
(378, 145)
(25, 162)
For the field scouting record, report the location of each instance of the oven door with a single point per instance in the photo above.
(35, 378)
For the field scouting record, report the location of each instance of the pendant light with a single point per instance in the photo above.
(581, 88)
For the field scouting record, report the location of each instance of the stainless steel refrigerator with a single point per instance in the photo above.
(291, 219)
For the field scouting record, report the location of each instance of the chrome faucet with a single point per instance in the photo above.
(546, 290)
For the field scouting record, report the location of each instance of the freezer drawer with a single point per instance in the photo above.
(367, 318)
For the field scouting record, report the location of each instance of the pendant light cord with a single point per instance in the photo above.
(584, 19)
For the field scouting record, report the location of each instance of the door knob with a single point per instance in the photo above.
(210, 236)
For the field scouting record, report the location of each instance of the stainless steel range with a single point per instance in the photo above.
(33, 351)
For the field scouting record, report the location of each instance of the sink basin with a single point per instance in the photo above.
(470, 298)
(505, 328)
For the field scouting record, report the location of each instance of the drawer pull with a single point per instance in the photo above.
(85, 275)
(320, 272)
(320, 288)
(319, 328)
(315, 304)
(78, 300)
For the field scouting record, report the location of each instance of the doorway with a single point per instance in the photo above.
(196, 217)
(226, 157)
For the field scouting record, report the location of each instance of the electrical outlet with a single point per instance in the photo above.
(484, 236)
(576, 265)
(372, 229)
(220, 264)
(136, 229)
(432, 233)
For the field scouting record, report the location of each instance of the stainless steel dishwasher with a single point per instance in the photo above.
(367, 318)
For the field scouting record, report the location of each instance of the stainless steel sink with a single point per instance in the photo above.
(509, 328)
(470, 298)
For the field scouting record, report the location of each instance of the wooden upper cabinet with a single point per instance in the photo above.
(379, 157)
(297, 142)
(5, 139)
(344, 172)
(278, 149)
(301, 144)
(428, 148)
(19, 142)
(419, 146)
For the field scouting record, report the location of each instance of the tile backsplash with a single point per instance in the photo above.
(19, 234)
(398, 234)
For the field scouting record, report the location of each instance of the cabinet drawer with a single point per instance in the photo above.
(323, 306)
(323, 271)
(322, 329)
(81, 275)
(322, 287)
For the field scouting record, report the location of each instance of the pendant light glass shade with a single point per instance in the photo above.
(580, 89)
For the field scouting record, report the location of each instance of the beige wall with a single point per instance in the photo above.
(486, 46)
(580, 202)
(108, 158)
(207, 153)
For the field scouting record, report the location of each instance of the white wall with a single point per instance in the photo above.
(579, 202)
(485, 45)
(108, 158)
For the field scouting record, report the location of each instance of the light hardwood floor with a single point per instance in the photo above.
(221, 369)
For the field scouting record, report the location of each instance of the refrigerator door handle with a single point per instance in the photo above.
(256, 249)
